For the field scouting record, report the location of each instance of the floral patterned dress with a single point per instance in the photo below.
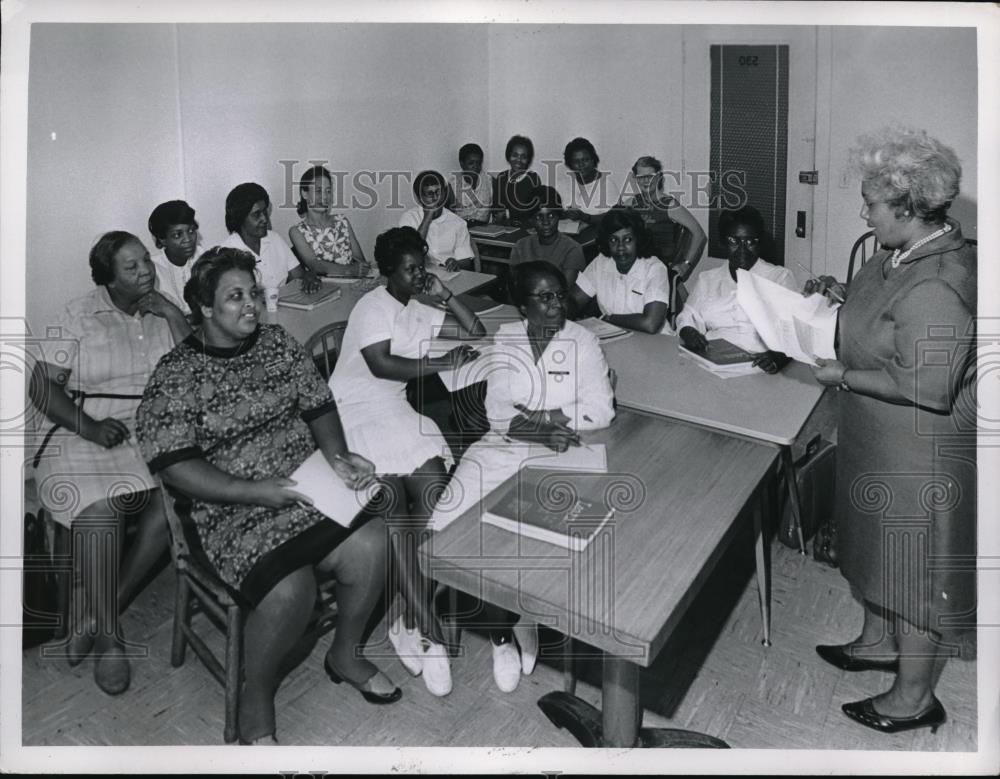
(246, 411)
(329, 244)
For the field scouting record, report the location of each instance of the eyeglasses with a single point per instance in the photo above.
(750, 243)
(548, 297)
(648, 177)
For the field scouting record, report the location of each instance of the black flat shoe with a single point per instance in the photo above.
(367, 694)
(839, 657)
(864, 713)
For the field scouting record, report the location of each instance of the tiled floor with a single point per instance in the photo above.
(713, 676)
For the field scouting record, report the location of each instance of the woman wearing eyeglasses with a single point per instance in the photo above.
(712, 310)
(546, 381)
(547, 243)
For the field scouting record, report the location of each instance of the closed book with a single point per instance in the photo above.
(603, 330)
(556, 506)
(721, 352)
(291, 296)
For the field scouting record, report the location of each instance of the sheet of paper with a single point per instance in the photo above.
(801, 327)
(330, 496)
(570, 226)
(590, 458)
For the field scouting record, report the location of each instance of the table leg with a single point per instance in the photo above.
(793, 494)
(763, 563)
(622, 713)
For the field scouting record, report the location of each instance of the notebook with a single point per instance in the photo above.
(330, 496)
(563, 508)
(292, 296)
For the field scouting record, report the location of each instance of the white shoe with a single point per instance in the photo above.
(526, 634)
(437, 670)
(506, 666)
(407, 645)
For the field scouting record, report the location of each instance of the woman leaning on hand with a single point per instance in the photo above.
(227, 416)
(906, 430)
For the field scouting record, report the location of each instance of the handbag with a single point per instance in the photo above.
(815, 475)
(40, 593)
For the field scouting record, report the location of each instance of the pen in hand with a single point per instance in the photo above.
(830, 292)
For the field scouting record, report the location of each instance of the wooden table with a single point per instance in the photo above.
(302, 324)
(684, 488)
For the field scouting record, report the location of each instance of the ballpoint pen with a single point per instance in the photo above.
(829, 291)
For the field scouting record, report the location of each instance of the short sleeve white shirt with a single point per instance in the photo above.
(647, 281)
(447, 236)
(600, 195)
(170, 279)
(274, 262)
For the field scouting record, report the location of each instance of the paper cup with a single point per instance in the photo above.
(271, 299)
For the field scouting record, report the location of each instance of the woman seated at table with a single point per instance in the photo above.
(712, 310)
(175, 232)
(515, 189)
(227, 416)
(587, 193)
(547, 381)
(93, 474)
(662, 213)
(633, 288)
(324, 240)
(547, 244)
(447, 235)
(248, 220)
(470, 194)
(384, 346)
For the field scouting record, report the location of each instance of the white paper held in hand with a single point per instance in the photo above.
(786, 321)
(330, 496)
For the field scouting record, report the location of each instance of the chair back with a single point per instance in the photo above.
(863, 248)
(324, 345)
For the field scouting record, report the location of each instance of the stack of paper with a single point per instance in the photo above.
(570, 226)
(605, 331)
(801, 327)
(292, 296)
(489, 231)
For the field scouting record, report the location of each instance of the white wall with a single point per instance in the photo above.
(147, 113)
(108, 95)
(922, 77)
(617, 85)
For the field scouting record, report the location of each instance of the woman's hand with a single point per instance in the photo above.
(310, 281)
(826, 285)
(692, 339)
(434, 287)
(771, 362)
(156, 304)
(829, 372)
(354, 470)
(575, 213)
(560, 438)
(275, 493)
(451, 264)
(106, 432)
(459, 356)
(543, 418)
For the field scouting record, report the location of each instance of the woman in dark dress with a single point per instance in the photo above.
(514, 193)
(906, 455)
(227, 416)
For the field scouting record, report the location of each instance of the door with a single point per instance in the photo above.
(750, 130)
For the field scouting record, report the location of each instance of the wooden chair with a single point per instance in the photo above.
(199, 588)
(324, 346)
(863, 248)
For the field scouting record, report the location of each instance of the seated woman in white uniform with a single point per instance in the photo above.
(633, 288)
(547, 380)
(712, 311)
(384, 346)
(448, 240)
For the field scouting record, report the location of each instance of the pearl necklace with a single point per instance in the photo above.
(898, 257)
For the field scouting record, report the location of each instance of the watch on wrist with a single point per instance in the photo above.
(843, 382)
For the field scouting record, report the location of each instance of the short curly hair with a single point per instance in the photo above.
(206, 272)
(909, 171)
(525, 275)
(619, 218)
(102, 255)
(520, 140)
(165, 215)
(391, 245)
(240, 202)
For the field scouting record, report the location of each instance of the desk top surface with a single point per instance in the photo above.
(302, 324)
(680, 489)
(654, 377)
(585, 237)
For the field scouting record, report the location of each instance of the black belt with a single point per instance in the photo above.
(81, 396)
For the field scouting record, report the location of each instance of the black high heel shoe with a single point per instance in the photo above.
(863, 712)
(368, 695)
(839, 657)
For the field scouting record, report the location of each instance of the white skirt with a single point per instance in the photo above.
(393, 436)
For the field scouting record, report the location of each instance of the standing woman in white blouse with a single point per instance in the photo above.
(547, 380)
(385, 345)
